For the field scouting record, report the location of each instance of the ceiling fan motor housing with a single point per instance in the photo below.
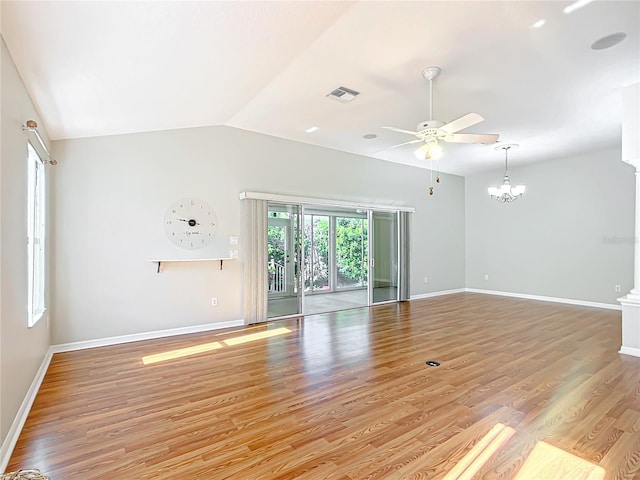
(429, 129)
(429, 124)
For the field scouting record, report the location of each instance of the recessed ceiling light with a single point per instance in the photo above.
(576, 5)
(540, 23)
(311, 129)
(370, 136)
(608, 41)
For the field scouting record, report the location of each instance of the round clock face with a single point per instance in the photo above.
(190, 223)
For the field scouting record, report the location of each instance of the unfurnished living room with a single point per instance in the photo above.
(345, 240)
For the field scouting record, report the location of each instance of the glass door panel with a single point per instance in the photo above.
(283, 257)
(352, 252)
(316, 253)
(384, 253)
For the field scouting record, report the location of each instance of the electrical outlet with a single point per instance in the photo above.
(618, 289)
(486, 277)
(233, 240)
(426, 279)
(214, 301)
(233, 253)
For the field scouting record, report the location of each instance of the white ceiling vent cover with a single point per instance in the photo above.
(343, 94)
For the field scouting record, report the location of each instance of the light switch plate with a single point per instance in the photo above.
(233, 240)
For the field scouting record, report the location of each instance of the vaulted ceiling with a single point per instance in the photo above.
(103, 68)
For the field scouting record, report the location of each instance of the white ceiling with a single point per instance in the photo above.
(113, 67)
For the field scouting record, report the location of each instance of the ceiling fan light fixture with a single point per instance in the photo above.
(430, 132)
(506, 193)
(435, 151)
(429, 151)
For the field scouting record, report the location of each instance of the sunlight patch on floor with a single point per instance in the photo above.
(256, 336)
(544, 462)
(552, 463)
(182, 352)
(207, 347)
(466, 468)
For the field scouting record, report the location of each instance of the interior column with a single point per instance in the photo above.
(631, 154)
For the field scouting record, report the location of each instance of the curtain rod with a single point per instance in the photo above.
(32, 126)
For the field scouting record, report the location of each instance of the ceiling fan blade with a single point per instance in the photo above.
(461, 123)
(400, 130)
(405, 143)
(472, 138)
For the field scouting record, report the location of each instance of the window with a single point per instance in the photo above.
(35, 235)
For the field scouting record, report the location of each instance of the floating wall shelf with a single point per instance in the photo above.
(168, 260)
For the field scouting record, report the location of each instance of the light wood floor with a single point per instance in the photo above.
(348, 396)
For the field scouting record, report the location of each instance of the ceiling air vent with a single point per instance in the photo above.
(343, 94)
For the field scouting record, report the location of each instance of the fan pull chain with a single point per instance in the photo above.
(431, 182)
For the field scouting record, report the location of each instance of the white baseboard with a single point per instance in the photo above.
(436, 294)
(136, 337)
(582, 303)
(634, 352)
(11, 439)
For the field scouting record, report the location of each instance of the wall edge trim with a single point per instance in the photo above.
(569, 301)
(437, 294)
(136, 337)
(19, 420)
(634, 352)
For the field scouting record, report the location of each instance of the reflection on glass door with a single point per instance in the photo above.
(384, 257)
(283, 257)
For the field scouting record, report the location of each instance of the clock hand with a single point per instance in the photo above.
(191, 222)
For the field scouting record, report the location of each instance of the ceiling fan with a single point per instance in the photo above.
(431, 131)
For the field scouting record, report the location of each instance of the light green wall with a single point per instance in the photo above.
(571, 235)
(111, 194)
(22, 349)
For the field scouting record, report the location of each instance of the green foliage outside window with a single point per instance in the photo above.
(351, 251)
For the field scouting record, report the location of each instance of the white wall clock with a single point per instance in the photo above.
(190, 223)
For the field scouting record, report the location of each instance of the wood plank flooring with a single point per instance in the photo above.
(347, 396)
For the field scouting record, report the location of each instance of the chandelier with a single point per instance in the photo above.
(506, 193)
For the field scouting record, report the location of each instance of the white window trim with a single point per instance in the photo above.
(36, 235)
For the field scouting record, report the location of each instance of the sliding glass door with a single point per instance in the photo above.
(317, 253)
(351, 251)
(384, 257)
(336, 251)
(329, 259)
(283, 260)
